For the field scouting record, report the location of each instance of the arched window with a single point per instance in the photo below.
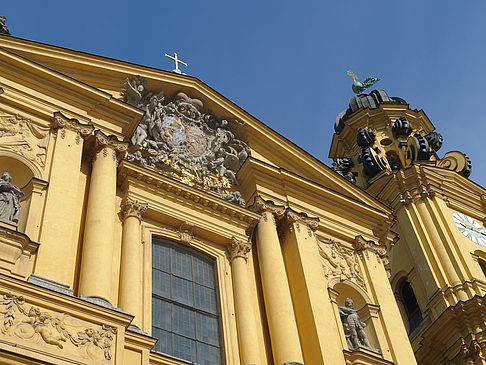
(185, 316)
(410, 303)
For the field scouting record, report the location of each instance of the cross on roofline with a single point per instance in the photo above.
(177, 61)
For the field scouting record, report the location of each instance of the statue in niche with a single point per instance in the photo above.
(9, 200)
(353, 327)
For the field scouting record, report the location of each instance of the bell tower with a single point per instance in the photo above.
(438, 263)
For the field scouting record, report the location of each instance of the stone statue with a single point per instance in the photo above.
(9, 200)
(3, 27)
(353, 327)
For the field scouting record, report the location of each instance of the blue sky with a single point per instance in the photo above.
(285, 62)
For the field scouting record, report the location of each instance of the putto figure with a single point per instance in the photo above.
(3, 27)
(353, 327)
(9, 200)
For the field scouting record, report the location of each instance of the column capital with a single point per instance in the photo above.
(361, 244)
(72, 124)
(102, 140)
(239, 248)
(295, 217)
(133, 208)
(261, 206)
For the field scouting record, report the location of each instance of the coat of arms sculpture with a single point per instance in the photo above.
(182, 141)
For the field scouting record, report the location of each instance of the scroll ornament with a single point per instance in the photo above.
(177, 138)
(33, 324)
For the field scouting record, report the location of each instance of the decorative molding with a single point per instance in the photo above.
(37, 325)
(239, 248)
(340, 262)
(16, 249)
(129, 172)
(72, 124)
(185, 232)
(133, 208)
(23, 136)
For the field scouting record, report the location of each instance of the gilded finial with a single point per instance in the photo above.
(359, 87)
(176, 61)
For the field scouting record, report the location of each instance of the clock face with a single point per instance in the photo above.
(470, 228)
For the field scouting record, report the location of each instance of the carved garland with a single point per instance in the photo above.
(36, 325)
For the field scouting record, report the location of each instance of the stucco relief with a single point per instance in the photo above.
(24, 137)
(340, 262)
(34, 324)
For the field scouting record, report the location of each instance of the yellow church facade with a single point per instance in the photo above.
(145, 219)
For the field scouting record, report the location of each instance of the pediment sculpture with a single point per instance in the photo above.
(181, 140)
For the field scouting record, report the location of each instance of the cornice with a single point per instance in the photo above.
(130, 174)
(121, 118)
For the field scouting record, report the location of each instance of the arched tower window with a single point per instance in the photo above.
(410, 303)
(185, 315)
(482, 265)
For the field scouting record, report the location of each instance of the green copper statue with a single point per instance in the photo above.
(359, 87)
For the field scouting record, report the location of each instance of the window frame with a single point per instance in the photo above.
(205, 250)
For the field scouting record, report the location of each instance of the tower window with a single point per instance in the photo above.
(393, 160)
(185, 315)
(482, 265)
(410, 303)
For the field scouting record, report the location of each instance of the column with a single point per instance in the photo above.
(57, 252)
(316, 321)
(131, 283)
(373, 259)
(245, 315)
(96, 274)
(282, 326)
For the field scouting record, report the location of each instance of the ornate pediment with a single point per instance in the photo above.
(179, 139)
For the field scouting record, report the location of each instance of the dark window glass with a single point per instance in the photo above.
(411, 305)
(185, 315)
(482, 265)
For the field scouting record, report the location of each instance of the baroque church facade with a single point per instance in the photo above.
(145, 219)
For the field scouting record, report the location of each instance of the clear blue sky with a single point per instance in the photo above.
(285, 62)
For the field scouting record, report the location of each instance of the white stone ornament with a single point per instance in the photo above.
(470, 228)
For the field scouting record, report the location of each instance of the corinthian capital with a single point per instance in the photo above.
(238, 249)
(133, 208)
(61, 121)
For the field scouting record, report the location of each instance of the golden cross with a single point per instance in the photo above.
(177, 61)
(351, 73)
